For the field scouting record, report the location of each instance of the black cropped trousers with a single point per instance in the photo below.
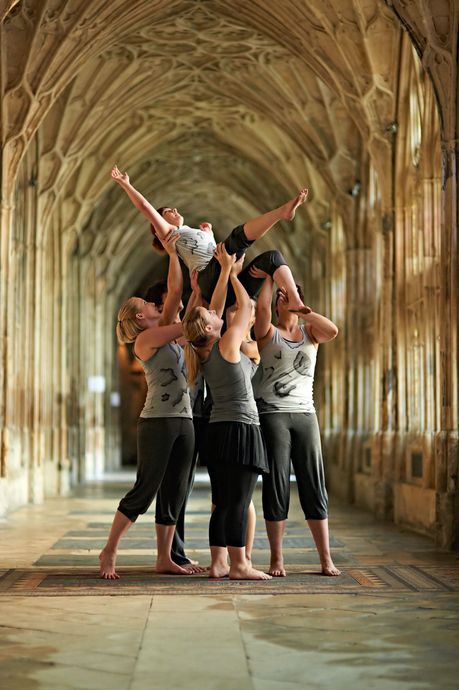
(295, 438)
(164, 455)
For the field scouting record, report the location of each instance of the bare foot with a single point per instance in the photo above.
(330, 569)
(245, 572)
(192, 569)
(291, 206)
(107, 565)
(168, 567)
(219, 570)
(276, 569)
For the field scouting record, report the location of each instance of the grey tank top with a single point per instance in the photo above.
(285, 377)
(231, 387)
(167, 394)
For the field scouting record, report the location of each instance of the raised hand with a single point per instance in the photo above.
(169, 242)
(224, 259)
(236, 268)
(118, 176)
(282, 295)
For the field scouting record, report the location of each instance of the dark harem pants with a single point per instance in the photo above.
(293, 437)
(164, 456)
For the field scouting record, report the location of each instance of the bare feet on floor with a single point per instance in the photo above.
(219, 570)
(168, 567)
(276, 569)
(193, 568)
(107, 565)
(330, 569)
(246, 572)
(291, 206)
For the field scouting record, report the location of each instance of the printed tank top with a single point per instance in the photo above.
(195, 247)
(167, 394)
(285, 377)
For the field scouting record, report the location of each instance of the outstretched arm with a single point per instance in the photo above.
(195, 299)
(226, 262)
(161, 226)
(319, 328)
(230, 342)
(174, 281)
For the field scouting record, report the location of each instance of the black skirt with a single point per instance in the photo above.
(238, 444)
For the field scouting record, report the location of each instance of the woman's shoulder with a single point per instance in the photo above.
(145, 357)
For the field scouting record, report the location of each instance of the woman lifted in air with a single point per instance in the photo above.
(196, 246)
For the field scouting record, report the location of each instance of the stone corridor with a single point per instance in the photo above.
(390, 622)
(227, 109)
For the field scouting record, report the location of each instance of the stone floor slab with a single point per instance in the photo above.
(389, 623)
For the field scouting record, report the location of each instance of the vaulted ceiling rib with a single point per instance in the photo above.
(272, 95)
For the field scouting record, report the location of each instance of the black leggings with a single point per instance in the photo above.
(237, 243)
(232, 489)
(164, 455)
(178, 542)
(295, 437)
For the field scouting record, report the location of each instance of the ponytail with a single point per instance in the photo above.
(128, 327)
(191, 363)
(194, 330)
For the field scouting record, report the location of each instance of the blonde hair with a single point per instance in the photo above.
(194, 330)
(231, 311)
(128, 327)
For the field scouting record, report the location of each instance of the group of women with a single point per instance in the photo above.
(259, 393)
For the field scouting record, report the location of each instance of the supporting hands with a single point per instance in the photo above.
(225, 260)
(258, 273)
(169, 242)
(236, 268)
(283, 298)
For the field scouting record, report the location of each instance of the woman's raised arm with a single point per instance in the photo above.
(174, 281)
(226, 262)
(230, 342)
(161, 226)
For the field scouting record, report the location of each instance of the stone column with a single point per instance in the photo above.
(447, 447)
